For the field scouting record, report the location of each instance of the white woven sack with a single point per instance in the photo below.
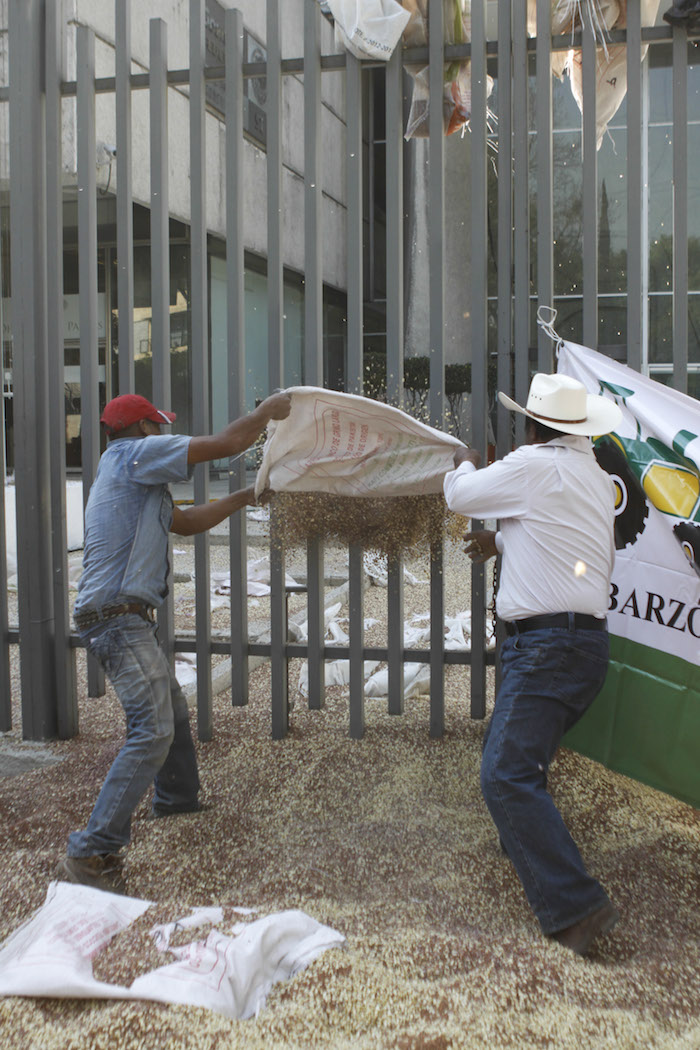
(347, 445)
(368, 28)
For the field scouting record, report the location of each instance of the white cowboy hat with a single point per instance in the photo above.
(563, 403)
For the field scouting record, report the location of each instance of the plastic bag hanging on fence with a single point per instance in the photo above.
(368, 28)
(457, 91)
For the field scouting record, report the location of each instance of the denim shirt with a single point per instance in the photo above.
(127, 519)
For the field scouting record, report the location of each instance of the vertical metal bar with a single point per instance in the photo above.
(394, 231)
(235, 326)
(437, 640)
(356, 605)
(479, 328)
(590, 189)
(107, 259)
(369, 207)
(505, 225)
(680, 209)
(395, 632)
(313, 195)
(646, 199)
(353, 86)
(87, 275)
(278, 631)
(200, 356)
(521, 212)
(66, 697)
(395, 346)
(634, 187)
(160, 259)
(125, 209)
(5, 677)
(275, 278)
(30, 365)
(275, 334)
(504, 381)
(545, 211)
(353, 81)
(313, 321)
(436, 294)
(436, 210)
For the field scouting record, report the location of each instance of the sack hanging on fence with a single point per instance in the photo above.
(611, 59)
(348, 445)
(456, 98)
(368, 28)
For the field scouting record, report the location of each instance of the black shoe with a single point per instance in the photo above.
(581, 935)
(103, 871)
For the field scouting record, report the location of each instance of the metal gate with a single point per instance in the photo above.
(513, 257)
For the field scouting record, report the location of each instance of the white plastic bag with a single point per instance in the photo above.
(457, 88)
(368, 28)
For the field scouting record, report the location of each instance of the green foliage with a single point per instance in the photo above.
(458, 383)
(416, 373)
(374, 378)
(458, 379)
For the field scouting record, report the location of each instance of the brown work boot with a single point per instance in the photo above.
(581, 935)
(102, 871)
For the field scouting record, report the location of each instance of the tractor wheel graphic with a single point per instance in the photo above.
(689, 538)
(631, 507)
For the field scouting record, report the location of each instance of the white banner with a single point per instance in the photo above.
(347, 445)
(654, 459)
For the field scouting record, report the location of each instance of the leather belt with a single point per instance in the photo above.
(565, 620)
(108, 612)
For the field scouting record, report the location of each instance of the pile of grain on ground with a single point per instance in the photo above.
(386, 839)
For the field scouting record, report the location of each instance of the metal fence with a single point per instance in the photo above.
(501, 312)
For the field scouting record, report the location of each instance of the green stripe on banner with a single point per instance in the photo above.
(646, 721)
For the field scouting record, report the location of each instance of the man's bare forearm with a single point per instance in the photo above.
(241, 434)
(190, 521)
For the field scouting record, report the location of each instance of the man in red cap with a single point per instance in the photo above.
(128, 517)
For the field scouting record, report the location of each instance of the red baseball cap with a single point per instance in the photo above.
(122, 411)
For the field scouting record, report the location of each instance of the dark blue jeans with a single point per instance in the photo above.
(549, 679)
(158, 738)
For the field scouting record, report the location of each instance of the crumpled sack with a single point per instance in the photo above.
(368, 28)
(347, 445)
(51, 955)
(611, 64)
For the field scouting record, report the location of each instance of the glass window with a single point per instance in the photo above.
(179, 310)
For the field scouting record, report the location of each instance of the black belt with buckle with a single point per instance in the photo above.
(108, 612)
(568, 621)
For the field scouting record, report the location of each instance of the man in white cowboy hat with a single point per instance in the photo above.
(556, 511)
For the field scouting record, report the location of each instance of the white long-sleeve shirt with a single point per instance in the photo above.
(556, 507)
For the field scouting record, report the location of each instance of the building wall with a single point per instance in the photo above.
(99, 15)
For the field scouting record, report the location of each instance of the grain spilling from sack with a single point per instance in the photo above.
(387, 525)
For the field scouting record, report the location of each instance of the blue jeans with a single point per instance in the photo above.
(549, 679)
(158, 739)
